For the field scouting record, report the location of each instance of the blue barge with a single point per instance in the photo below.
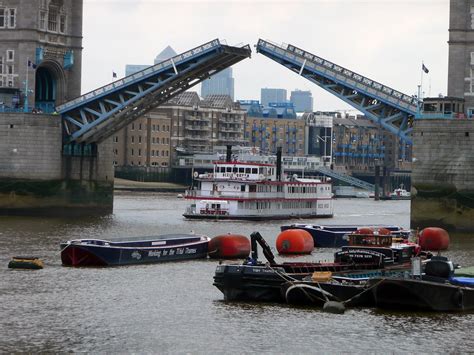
(142, 250)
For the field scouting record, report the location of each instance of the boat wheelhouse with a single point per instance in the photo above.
(257, 191)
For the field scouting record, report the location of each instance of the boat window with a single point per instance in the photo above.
(242, 188)
(228, 169)
(235, 169)
(254, 170)
(247, 170)
(241, 170)
(252, 188)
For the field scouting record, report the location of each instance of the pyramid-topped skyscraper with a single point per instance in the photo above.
(165, 54)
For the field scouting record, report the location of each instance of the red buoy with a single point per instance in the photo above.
(294, 241)
(229, 246)
(434, 238)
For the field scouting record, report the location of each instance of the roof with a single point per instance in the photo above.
(217, 101)
(187, 98)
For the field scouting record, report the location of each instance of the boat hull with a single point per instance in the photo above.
(81, 254)
(413, 294)
(263, 284)
(253, 217)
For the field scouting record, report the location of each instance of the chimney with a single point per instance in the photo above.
(278, 172)
(228, 156)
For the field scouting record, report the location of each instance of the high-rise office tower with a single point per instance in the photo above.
(165, 54)
(272, 95)
(302, 100)
(221, 83)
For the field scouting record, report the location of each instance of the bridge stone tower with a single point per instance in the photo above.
(40, 68)
(40, 52)
(443, 174)
(461, 52)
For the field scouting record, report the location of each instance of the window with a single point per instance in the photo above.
(10, 69)
(1, 65)
(10, 55)
(133, 139)
(139, 152)
(12, 18)
(472, 17)
(2, 18)
(53, 20)
(62, 24)
(139, 139)
(42, 20)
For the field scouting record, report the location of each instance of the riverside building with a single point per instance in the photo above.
(184, 125)
(267, 134)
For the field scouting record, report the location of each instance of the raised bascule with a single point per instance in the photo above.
(390, 108)
(97, 115)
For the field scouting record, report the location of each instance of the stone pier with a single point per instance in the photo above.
(443, 174)
(36, 178)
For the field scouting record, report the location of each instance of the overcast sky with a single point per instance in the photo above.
(385, 40)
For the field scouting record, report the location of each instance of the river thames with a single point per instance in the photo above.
(174, 308)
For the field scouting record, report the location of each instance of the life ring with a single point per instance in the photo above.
(196, 174)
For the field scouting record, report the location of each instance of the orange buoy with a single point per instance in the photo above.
(382, 231)
(364, 230)
(294, 241)
(229, 246)
(434, 238)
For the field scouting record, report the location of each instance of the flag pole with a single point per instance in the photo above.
(421, 84)
(25, 106)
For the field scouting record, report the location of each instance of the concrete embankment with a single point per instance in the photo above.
(130, 185)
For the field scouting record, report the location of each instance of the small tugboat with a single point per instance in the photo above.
(143, 250)
(398, 194)
(25, 262)
(336, 236)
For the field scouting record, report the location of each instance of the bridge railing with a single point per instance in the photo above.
(139, 75)
(340, 73)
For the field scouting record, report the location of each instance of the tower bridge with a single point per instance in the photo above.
(390, 108)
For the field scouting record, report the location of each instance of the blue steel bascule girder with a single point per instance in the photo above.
(391, 109)
(97, 115)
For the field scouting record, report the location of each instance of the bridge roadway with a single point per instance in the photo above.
(95, 116)
(390, 108)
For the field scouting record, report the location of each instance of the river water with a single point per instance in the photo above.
(173, 307)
